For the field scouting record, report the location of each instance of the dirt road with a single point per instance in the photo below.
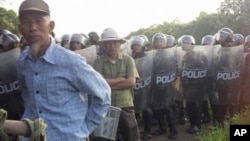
(182, 136)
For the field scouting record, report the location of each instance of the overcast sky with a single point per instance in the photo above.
(125, 16)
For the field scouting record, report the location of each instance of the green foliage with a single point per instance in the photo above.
(243, 117)
(233, 14)
(8, 20)
(237, 15)
(219, 134)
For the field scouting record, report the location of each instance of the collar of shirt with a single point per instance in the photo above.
(48, 56)
(106, 59)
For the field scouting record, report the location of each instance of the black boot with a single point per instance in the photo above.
(173, 134)
(146, 135)
(193, 129)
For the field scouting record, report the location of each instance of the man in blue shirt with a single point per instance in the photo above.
(55, 82)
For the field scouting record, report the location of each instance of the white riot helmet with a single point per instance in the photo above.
(171, 41)
(145, 38)
(247, 41)
(159, 40)
(187, 42)
(208, 40)
(77, 38)
(137, 40)
(65, 37)
(65, 40)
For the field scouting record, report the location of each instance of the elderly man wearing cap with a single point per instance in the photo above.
(55, 82)
(120, 72)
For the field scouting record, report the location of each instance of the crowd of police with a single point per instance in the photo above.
(178, 78)
(187, 78)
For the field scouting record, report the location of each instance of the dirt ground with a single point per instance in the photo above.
(182, 136)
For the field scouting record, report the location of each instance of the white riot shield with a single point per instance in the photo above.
(126, 48)
(194, 70)
(142, 89)
(10, 95)
(90, 53)
(180, 54)
(164, 75)
(228, 66)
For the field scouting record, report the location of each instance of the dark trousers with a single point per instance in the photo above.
(180, 109)
(128, 126)
(147, 117)
(169, 111)
(221, 110)
(205, 109)
(194, 110)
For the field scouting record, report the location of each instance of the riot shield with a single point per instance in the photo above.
(194, 69)
(245, 96)
(164, 75)
(90, 53)
(228, 66)
(10, 95)
(126, 48)
(142, 89)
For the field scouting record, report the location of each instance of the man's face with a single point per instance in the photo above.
(187, 46)
(74, 45)
(159, 44)
(137, 48)
(35, 27)
(112, 48)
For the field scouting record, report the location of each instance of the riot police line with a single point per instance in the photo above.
(232, 72)
(159, 68)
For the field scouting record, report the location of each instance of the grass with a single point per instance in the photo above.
(222, 134)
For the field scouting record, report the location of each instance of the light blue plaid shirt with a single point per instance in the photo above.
(55, 88)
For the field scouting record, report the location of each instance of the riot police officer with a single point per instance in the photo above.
(193, 73)
(163, 84)
(93, 38)
(238, 39)
(77, 41)
(10, 94)
(65, 39)
(138, 48)
(208, 41)
(142, 90)
(179, 100)
(228, 62)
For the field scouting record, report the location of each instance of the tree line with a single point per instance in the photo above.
(234, 14)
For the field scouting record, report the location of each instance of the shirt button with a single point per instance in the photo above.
(40, 111)
(36, 73)
(37, 92)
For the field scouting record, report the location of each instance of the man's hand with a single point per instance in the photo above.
(3, 116)
(36, 130)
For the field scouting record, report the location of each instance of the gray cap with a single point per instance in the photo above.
(34, 5)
